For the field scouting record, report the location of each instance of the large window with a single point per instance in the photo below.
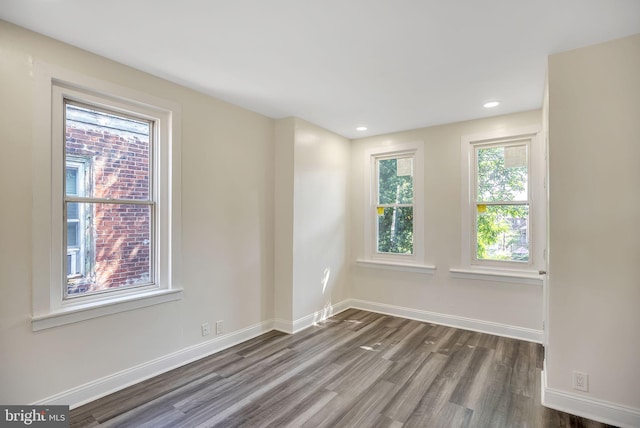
(109, 205)
(109, 170)
(504, 204)
(501, 200)
(394, 221)
(395, 204)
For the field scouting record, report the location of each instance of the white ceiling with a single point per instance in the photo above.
(388, 64)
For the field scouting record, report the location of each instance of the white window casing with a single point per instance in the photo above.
(474, 267)
(50, 307)
(372, 258)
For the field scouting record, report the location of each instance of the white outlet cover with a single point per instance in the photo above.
(581, 381)
(205, 329)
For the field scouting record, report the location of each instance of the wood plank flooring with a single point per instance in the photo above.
(357, 369)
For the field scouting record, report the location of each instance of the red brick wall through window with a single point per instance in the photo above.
(118, 240)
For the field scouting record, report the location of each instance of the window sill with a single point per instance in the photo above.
(404, 267)
(518, 277)
(100, 308)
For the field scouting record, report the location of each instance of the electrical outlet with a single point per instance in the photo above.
(219, 328)
(205, 329)
(581, 381)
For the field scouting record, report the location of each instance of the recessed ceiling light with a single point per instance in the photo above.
(361, 128)
(491, 104)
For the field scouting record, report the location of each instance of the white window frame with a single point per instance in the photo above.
(371, 257)
(78, 255)
(50, 308)
(506, 271)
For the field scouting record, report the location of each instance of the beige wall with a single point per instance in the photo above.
(311, 220)
(321, 219)
(594, 253)
(510, 304)
(285, 133)
(227, 231)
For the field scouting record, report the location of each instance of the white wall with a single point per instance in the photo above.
(321, 219)
(227, 231)
(594, 286)
(312, 218)
(488, 302)
(285, 134)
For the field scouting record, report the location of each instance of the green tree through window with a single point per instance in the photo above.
(502, 206)
(395, 205)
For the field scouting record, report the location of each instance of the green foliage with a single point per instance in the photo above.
(395, 230)
(498, 225)
(496, 182)
(395, 225)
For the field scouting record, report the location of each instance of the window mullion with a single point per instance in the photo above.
(108, 201)
(498, 203)
(393, 205)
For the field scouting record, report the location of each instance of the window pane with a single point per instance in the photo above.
(395, 230)
(72, 234)
(73, 211)
(71, 182)
(502, 232)
(502, 173)
(116, 249)
(118, 148)
(395, 181)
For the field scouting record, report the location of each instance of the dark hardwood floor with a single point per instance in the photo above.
(357, 369)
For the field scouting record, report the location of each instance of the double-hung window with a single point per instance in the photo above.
(503, 201)
(107, 200)
(395, 204)
(394, 211)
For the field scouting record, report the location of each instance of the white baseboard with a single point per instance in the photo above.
(283, 325)
(91, 391)
(464, 323)
(591, 408)
(291, 327)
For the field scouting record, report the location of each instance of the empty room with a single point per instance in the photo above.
(302, 213)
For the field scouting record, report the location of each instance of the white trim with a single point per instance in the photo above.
(283, 325)
(103, 307)
(537, 207)
(52, 84)
(505, 330)
(99, 388)
(518, 277)
(291, 327)
(391, 265)
(591, 408)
